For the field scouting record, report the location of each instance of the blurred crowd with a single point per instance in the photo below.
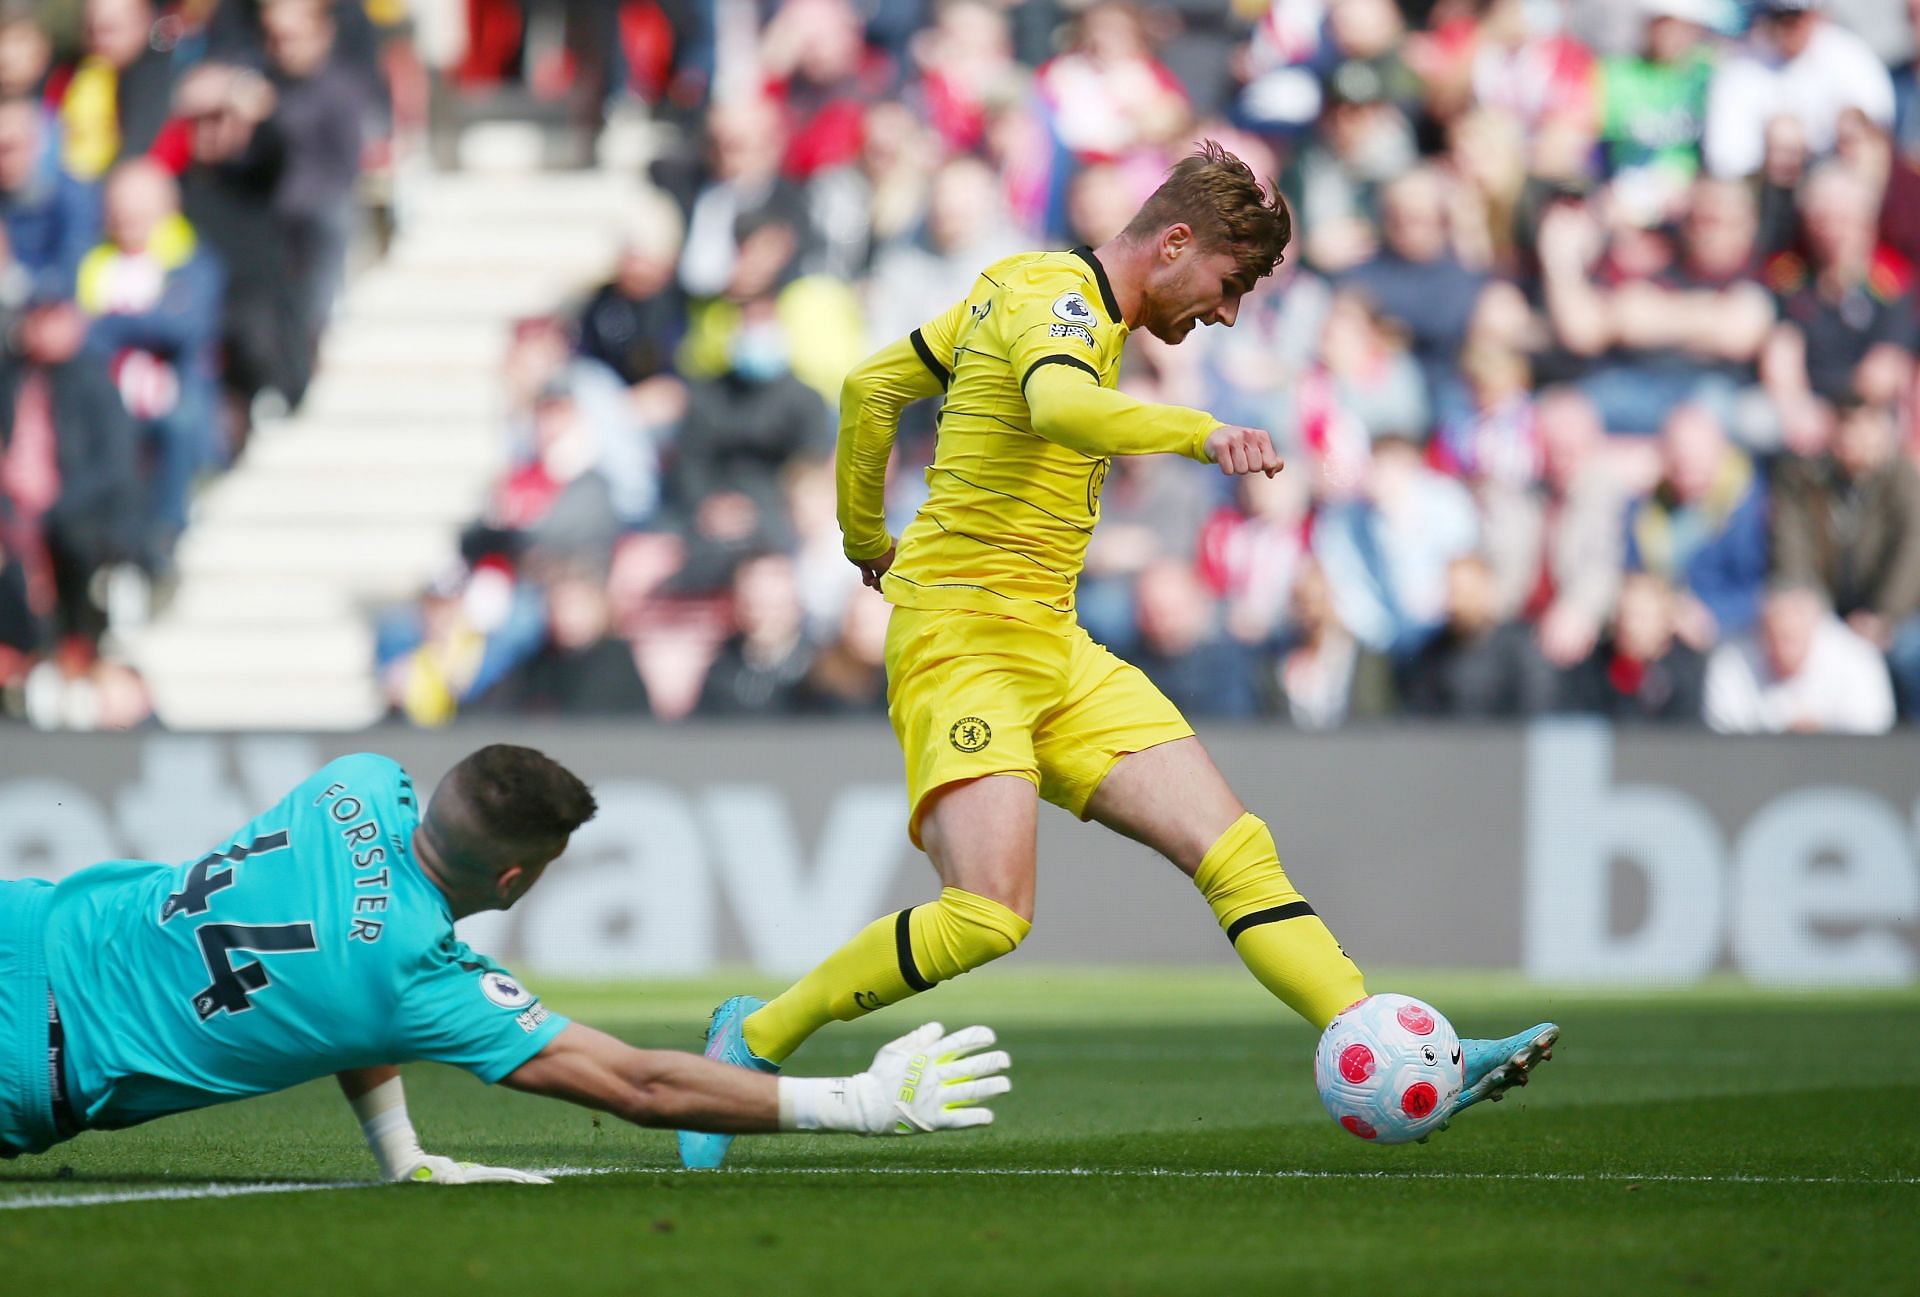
(1594, 361)
(177, 194)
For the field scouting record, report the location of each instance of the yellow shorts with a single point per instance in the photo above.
(971, 694)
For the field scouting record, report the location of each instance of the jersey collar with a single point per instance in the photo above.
(1100, 277)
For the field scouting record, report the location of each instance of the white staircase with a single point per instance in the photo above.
(358, 501)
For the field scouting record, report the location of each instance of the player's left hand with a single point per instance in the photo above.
(1239, 451)
(928, 1080)
(428, 1169)
(871, 570)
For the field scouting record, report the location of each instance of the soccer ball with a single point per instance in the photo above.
(1389, 1068)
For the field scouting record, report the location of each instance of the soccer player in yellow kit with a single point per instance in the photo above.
(998, 696)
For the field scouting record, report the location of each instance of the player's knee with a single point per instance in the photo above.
(967, 929)
(1215, 825)
(995, 924)
(1003, 936)
(1246, 837)
(1015, 899)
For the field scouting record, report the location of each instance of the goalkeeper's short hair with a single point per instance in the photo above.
(517, 793)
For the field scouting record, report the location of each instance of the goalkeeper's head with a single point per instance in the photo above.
(1205, 237)
(494, 824)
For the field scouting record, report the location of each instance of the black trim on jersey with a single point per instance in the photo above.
(950, 411)
(1075, 361)
(903, 947)
(1008, 495)
(1100, 277)
(968, 585)
(1295, 910)
(1005, 549)
(925, 353)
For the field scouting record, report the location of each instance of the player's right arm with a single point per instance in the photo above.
(925, 1081)
(1070, 408)
(874, 394)
(1059, 364)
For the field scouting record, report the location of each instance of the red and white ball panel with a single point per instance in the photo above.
(1389, 1068)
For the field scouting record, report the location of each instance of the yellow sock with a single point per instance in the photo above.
(1273, 929)
(887, 961)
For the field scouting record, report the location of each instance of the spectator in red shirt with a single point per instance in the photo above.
(1869, 150)
(1108, 93)
(823, 75)
(1251, 549)
(557, 500)
(1497, 59)
(966, 63)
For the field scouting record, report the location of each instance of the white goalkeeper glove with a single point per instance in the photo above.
(429, 1169)
(383, 1120)
(924, 1081)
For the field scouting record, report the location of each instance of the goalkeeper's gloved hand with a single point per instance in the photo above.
(425, 1168)
(390, 1137)
(924, 1081)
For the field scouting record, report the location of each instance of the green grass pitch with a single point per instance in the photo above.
(1163, 1136)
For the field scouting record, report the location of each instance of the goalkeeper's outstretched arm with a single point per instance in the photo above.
(927, 1080)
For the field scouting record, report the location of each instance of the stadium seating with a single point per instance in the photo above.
(359, 499)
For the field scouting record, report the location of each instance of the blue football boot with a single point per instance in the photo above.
(1495, 1066)
(726, 1043)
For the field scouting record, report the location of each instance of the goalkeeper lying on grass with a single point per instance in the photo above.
(319, 939)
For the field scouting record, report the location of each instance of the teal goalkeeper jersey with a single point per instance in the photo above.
(308, 942)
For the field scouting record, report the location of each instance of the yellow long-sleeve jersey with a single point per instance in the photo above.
(1030, 427)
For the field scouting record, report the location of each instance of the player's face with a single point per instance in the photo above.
(1199, 288)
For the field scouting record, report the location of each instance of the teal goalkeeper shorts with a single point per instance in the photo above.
(26, 1093)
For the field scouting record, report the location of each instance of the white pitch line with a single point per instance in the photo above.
(179, 1193)
(186, 1193)
(1196, 1173)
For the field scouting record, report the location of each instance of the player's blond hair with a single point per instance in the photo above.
(1222, 201)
